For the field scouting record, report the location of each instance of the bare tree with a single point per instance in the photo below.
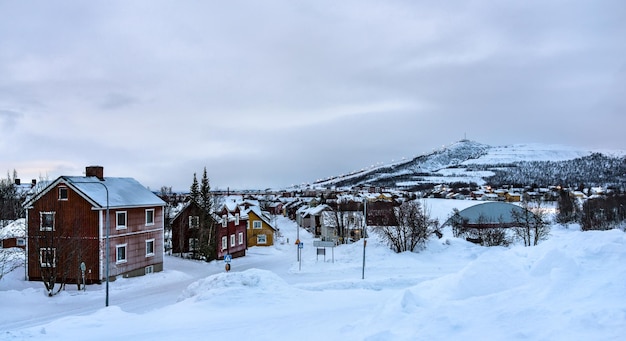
(413, 228)
(531, 226)
(60, 246)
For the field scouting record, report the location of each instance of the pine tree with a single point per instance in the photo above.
(194, 191)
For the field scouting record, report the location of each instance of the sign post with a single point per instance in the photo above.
(300, 247)
(227, 258)
(82, 270)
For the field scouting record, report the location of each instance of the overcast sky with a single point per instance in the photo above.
(274, 93)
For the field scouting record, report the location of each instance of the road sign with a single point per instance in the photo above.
(228, 257)
(319, 243)
(300, 245)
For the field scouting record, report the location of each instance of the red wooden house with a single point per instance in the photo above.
(67, 225)
(186, 230)
(231, 231)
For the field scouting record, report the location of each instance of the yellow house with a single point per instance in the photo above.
(260, 230)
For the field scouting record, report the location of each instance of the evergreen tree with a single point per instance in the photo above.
(194, 191)
(208, 248)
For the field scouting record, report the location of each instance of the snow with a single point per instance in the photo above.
(570, 287)
(15, 229)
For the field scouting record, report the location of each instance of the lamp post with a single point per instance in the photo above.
(106, 300)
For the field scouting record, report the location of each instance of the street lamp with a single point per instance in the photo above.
(106, 301)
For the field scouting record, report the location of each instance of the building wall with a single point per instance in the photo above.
(134, 236)
(75, 237)
(239, 250)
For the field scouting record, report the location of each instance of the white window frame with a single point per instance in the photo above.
(257, 225)
(149, 269)
(118, 226)
(41, 220)
(232, 240)
(261, 239)
(224, 220)
(41, 257)
(236, 218)
(240, 238)
(193, 244)
(61, 190)
(150, 212)
(20, 242)
(194, 221)
(148, 242)
(224, 242)
(117, 253)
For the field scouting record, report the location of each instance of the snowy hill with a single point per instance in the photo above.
(471, 162)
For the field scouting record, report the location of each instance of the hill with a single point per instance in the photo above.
(470, 162)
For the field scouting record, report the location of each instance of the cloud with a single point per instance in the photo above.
(285, 92)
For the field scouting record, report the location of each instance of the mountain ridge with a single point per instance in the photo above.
(467, 161)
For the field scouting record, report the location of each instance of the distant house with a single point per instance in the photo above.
(380, 213)
(260, 230)
(14, 234)
(67, 225)
(310, 218)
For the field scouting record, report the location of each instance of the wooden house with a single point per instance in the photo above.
(186, 229)
(230, 231)
(260, 229)
(68, 222)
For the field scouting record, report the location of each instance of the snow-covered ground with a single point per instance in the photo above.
(570, 287)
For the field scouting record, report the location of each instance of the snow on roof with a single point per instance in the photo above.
(111, 192)
(490, 212)
(122, 192)
(15, 229)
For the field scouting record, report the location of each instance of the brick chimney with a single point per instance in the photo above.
(97, 171)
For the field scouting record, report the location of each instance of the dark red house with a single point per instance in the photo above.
(67, 225)
(231, 231)
(186, 229)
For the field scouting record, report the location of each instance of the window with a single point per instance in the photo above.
(224, 242)
(21, 242)
(120, 253)
(150, 217)
(149, 269)
(47, 257)
(236, 218)
(194, 221)
(256, 224)
(193, 244)
(149, 247)
(240, 238)
(224, 220)
(261, 239)
(232, 240)
(46, 221)
(62, 193)
(120, 220)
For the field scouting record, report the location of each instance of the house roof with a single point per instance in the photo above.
(257, 211)
(16, 229)
(491, 212)
(122, 192)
